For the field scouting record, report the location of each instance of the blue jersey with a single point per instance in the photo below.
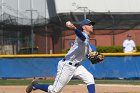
(78, 52)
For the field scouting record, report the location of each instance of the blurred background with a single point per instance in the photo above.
(38, 26)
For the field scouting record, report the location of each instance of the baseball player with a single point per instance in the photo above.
(70, 65)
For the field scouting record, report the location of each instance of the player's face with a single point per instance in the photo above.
(89, 28)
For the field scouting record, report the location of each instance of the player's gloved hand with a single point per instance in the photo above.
(95, 57)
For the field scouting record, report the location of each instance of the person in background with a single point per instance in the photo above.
(129, 45)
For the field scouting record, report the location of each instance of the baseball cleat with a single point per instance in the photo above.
(30, 86)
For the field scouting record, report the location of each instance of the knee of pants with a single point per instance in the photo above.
(51, 89)
(89, 80)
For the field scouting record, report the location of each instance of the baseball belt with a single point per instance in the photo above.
(73, 64)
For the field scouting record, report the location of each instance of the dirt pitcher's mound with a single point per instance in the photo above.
(100, 88)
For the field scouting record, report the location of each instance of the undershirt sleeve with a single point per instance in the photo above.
(80, 34)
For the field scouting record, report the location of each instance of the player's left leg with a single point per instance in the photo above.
(82, 73)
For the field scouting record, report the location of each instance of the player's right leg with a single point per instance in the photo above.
(64, 74)
(34, 85)
(30, 86)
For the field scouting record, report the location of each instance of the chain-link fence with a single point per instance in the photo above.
(15, 32)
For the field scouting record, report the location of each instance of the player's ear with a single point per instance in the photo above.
(84, 27)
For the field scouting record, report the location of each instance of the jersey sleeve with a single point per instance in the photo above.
(80, 34)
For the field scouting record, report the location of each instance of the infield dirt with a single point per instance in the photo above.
(100, 88)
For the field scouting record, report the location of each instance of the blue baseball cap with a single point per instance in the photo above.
(86, 22)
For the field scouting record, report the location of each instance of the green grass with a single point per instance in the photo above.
(131, 82)
(72, 82)
(26, 82)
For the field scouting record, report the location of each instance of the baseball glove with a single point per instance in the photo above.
(95, 57)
